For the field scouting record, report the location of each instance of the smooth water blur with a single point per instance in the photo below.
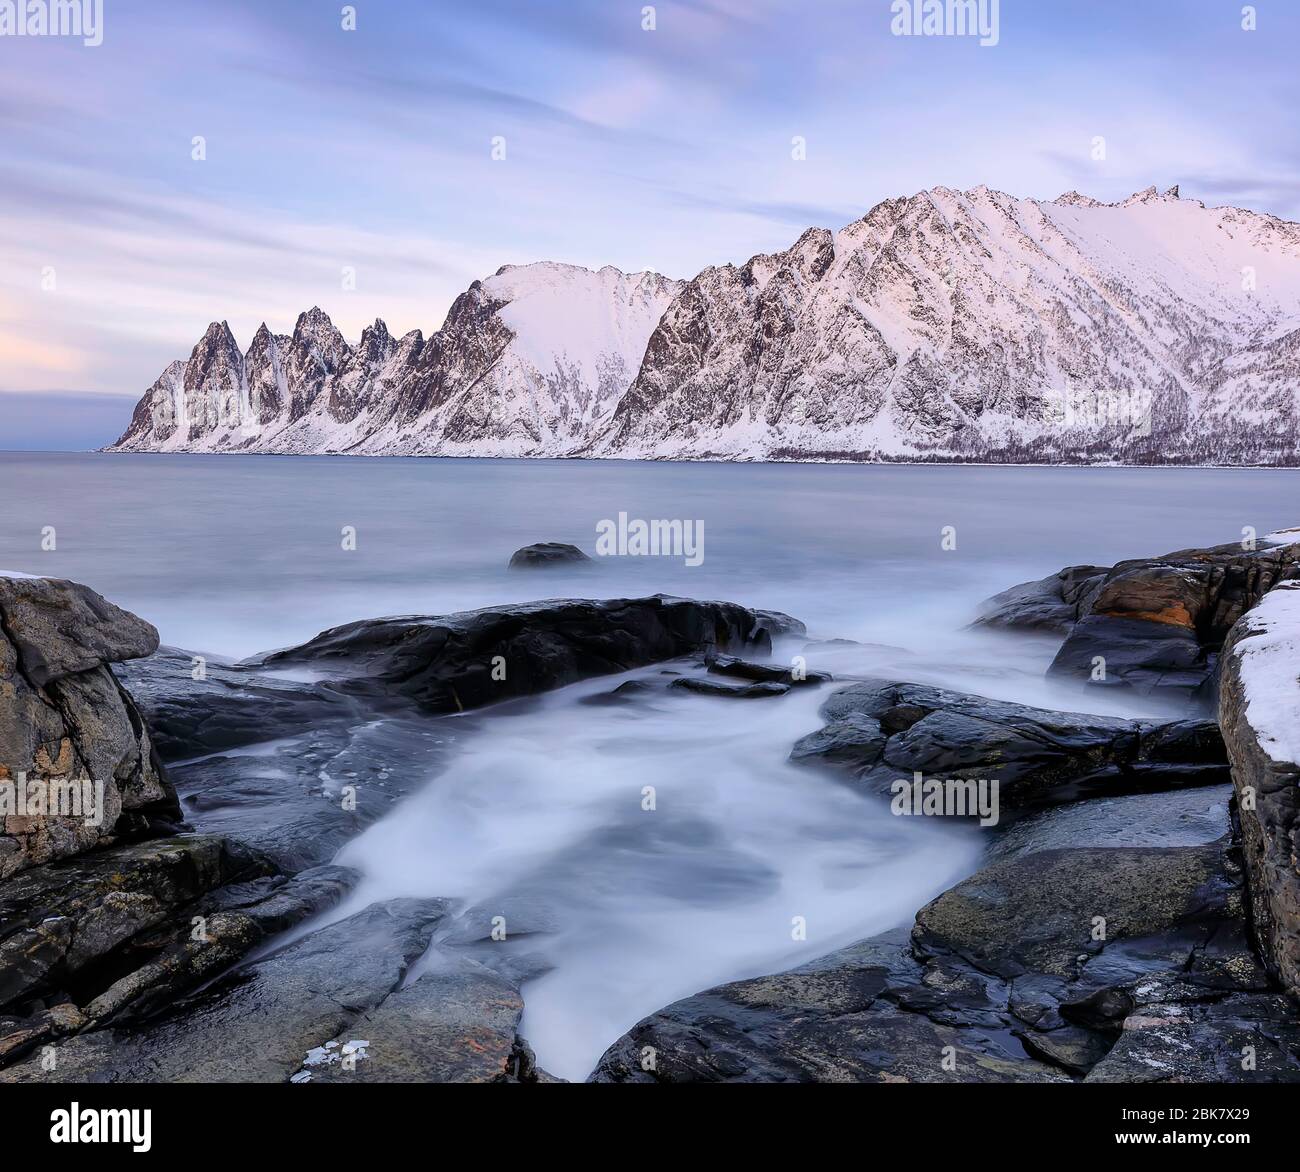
(743, 864)
(540, 814)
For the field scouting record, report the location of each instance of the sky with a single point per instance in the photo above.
(353, 168)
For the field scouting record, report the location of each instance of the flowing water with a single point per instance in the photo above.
(745, 864)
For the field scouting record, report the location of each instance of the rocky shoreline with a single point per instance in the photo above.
(1136, 918)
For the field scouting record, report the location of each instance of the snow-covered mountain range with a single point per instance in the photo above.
(948, 325)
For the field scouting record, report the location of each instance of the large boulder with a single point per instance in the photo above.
(65, 720)
(1259, 711)
(478, 657)
(1154, 625)
(883, 731)
(1157, 624)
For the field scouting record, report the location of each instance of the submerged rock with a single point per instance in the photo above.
(732, 691)
(881, 731)
(771, 673)
(545, 554)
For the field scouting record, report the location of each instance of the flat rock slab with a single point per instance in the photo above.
(299, 799)
(228, 706)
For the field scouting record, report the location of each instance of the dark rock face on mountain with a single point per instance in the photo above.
(1157, 624)
(1111, 964)
(526, 363)
(1259, 710)
(881, 732)
(65, 720)
(546, 553)
(479, 657)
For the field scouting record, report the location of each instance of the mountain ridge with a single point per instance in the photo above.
(946, 325)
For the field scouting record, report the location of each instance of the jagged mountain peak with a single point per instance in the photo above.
(1075, 199)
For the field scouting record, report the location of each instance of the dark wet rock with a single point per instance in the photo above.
(1031, 970)
(65, 719)
(228, 707)
(545, 554)
(850, 741)
(881, 731)
(1259, 710)
(62, 922)
(298, 800)
(834, 1020)
(480, 657)
(1238, 1039)
(773, 673)
(732, 691)
(258, 1024)
(1051, 604)
(219, 930)
(1157, 624)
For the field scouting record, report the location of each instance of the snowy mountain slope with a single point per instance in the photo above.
(969, 323)
(945, 325)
